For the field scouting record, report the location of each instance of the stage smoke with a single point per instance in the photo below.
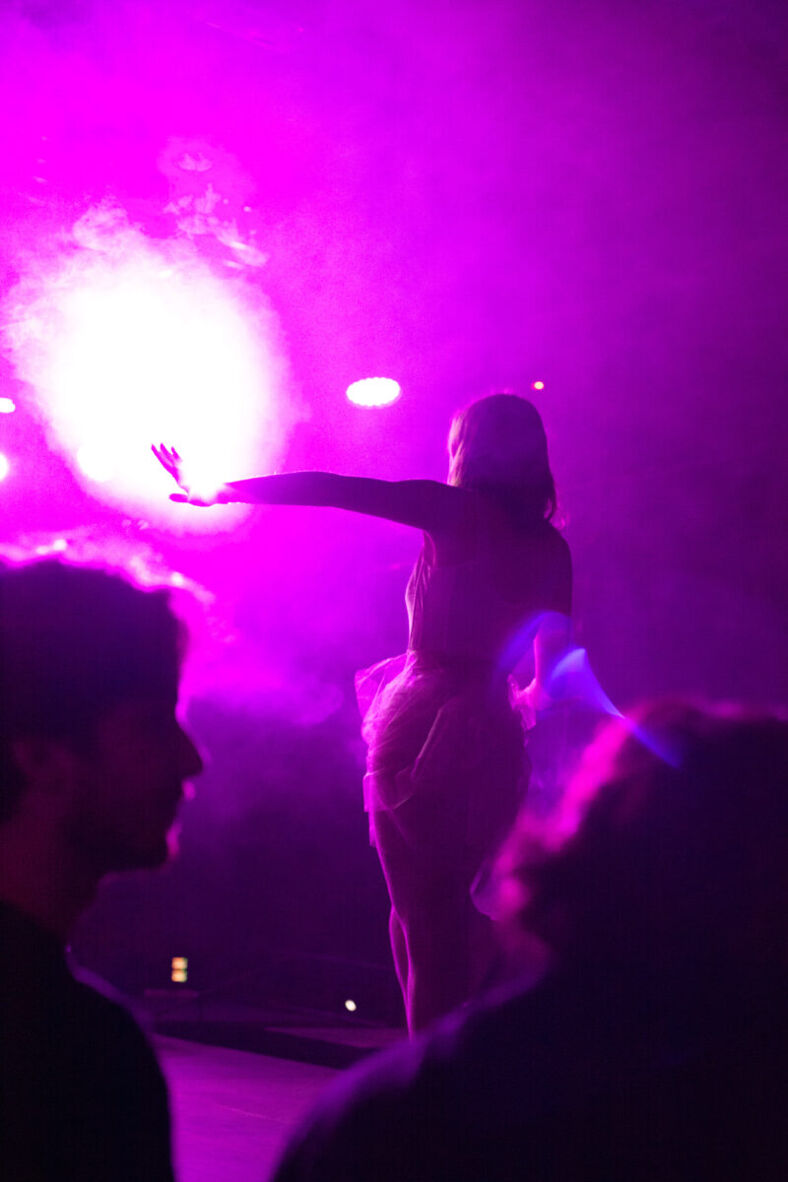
(127, 340)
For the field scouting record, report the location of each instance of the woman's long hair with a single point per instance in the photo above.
(498, 445)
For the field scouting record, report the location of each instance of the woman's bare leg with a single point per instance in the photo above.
(442, 946)
(399, 950)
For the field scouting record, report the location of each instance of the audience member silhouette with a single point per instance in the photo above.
(654, 1046)
(92, 769)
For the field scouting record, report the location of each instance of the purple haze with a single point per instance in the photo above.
(462, 196)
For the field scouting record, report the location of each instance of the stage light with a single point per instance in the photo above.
(202, 478)
(126, 341)
(95, 465)
(538, 385)
(7, 406)
(5, 467)
(350, 1006)
(374, 391)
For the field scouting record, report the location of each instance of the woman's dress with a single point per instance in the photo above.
(446, 775)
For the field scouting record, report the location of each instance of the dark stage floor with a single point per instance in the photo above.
(305, 1035)
(233, 1110)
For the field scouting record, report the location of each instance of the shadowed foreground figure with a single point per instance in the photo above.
(92, 768)
(446, 767)
(655, 1046)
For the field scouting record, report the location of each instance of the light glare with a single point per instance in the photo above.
(7, 406)
(374, 391)
(5, 467)
(127, 341)
(95, 465)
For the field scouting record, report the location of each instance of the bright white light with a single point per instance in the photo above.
(201, 477)
(350, 1006)
(128, 341)
(7, 406)
(5, 467)
(57, 546)
(96, 466)
(537, 385)
(374, 391)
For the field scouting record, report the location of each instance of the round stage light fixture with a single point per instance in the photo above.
(7, 406)
(374, 391)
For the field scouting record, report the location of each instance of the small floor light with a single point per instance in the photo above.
(179, 970)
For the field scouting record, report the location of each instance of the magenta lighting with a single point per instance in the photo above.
(374, 391)
(127, 340)
(5, 467)
(7, 406)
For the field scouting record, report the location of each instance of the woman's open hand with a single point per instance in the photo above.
(172, 463)
(169, 460)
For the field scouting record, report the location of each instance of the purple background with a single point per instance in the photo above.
(463, 196)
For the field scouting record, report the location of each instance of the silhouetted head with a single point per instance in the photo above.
(670, 849)
(498, 445)
(89, 739)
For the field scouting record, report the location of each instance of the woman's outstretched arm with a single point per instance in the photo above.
(423, 504)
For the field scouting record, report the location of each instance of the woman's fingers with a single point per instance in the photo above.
(168, 458)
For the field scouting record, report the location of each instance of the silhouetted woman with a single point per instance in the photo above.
(446, 765)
